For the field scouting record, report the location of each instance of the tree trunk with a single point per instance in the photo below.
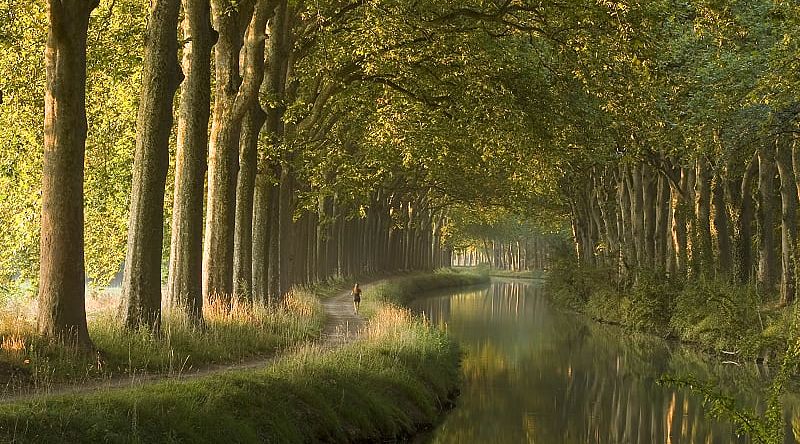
(649, 207)
(274, 86)
(161, 75)
(62, 303)
(702, 254)
(274, 275)
(185, 283)
(767, 261)
(233, 96)
(722, 228)
(788, 192)
(245, 189)
(680, 236)
(262, 229)
(662, 222)
(744, 240)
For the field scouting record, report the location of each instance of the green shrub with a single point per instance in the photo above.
(647, 306)
(720, 315)
(572, 285)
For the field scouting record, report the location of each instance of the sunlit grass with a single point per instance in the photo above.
(387, 384)
(246, 331)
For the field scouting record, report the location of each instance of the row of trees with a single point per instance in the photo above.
(702, 178)
(351, 136)
(340, 134)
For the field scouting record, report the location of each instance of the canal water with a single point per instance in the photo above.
(534, 374)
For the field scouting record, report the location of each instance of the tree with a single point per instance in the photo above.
(186, 246)
(161, 76)
(62, 312)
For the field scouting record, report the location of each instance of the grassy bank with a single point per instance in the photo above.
(715, 315)
(494, 272)
(399, 291)
(389, 383)
(245, 332)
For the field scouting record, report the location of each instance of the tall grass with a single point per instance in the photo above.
(247, 330)
(388, 384)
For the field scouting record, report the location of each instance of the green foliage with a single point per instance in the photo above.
(648, 304)
(720, 316)
(717, 315)
(573, 286)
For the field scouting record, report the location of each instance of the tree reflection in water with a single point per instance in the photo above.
(534, 374)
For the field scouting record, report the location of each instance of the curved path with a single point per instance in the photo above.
(342, 325)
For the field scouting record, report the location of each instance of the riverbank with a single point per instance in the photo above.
(484, 269)
(390, 382)
(718, 317)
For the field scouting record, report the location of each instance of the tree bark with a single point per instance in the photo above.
(231, 101)
(788, 191)
(702, 253)
(161, 75)
(744, 239)
(262, 229)
(768, 260)
(245, 189)
(185, 284)
(680, 235)
(62, 303)
(722, 228)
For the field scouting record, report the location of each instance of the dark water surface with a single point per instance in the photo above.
(533, 374)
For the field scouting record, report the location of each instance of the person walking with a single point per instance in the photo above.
(356, 297)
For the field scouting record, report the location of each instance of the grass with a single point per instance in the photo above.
(400, 290)
(495, 272)
(388, 384)
(385, 385)
(244, 332)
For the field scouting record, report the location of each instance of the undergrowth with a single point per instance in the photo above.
(717, 315)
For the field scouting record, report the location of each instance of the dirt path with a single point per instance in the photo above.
(342, 325)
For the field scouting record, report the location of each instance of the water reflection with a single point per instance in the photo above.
(536, 375)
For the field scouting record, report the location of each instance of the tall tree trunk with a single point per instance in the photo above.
(649, 207)
(722, 228)
(768, 260)
(662, 222)
(185, 284)
(788, 190)
(232, 99)
(702, 253)
(245, 189)
(637, 214)
(262, 229)
(62, 303)
(274, 274)
(744, 239)
(680, 235)
(274, 87)
(161, 75)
